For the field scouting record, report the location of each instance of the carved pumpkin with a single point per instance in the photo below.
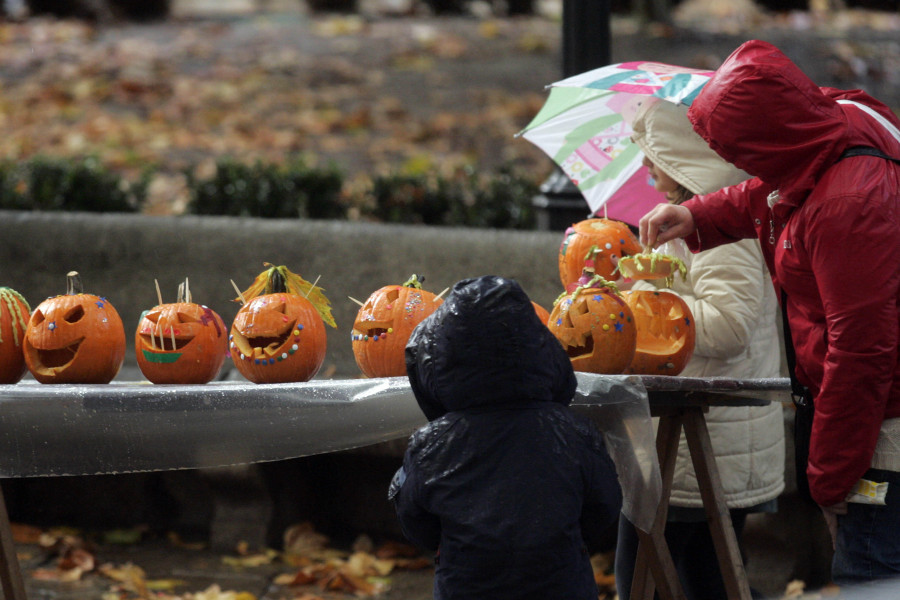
(14, 313)
(384, 323)
(180, 342)
(597, 239)
(665, 332)
(74, 338)
(278, 335)
(595, 327)
(542, 313)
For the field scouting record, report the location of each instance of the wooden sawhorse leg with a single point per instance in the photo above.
(653, 557)
(724, 538)
(10, 574)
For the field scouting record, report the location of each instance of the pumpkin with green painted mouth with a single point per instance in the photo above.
(182, 342)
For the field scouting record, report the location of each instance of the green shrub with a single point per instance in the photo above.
(501, 200)
(269, 191)
(56, 184)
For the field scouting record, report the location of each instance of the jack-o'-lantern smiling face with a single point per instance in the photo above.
(181, 342)
(56, 336)
(74, 338)
(264, 328)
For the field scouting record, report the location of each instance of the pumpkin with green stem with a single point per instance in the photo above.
(14, 313)
(278, 335)
(384, 323)
(595, 327)
(74, 338)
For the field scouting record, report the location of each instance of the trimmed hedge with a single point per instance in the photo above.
(501, 200)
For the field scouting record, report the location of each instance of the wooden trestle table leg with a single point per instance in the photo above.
(10, 574)
(653, 557)
(724, 538)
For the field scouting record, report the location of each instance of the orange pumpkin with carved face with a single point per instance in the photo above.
(665, 332)
(384, 323)
(14, 313)
(595, 327)
(75, 338)
(279, 336)
(182, 342)
(602, 240)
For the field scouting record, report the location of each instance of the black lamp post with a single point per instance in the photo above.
(585, 45)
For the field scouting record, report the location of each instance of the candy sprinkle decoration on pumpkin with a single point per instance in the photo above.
(74, 338)
(596, 327)
(384, 323)
(182, 342)
(278, 335)
(14, 313)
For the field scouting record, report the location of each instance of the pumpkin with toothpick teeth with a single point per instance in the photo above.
(603, 241)
(595, 327)
(14, 313)
(384, 323)
(181, 342)
(278, 335)
(74, 338)
(665, 332)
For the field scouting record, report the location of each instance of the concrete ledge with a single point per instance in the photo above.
(119, 256)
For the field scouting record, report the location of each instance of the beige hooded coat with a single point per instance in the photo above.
(731, 296)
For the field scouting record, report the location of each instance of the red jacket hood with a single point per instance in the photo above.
(794, 130)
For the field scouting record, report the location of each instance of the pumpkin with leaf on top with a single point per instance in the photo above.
(384, 323)
(182, 342)
(278, 335)
(74, 338)
(14, 314)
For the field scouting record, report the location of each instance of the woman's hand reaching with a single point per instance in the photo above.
(665, 222)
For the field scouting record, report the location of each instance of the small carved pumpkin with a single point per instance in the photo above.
(180, 342)
(665, 332)
(278, 335)
(74, 338)
(14, 313)
(384, 323)
(595, 327)
(598, 239)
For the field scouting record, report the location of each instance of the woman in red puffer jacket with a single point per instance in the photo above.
(829, 226)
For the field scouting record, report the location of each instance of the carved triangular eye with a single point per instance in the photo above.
(278, 308)
(392, 295)
(152, 316)
(186, 318)
(37, 318)
(75, 314)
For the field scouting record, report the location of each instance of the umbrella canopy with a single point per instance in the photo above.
(585, 127)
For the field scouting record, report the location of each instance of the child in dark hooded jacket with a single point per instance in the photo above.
(503, 478)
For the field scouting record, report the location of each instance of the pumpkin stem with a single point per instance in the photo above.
(277, 282)
(414, 281)
(73, 283)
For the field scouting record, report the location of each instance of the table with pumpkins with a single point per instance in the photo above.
(626, 346)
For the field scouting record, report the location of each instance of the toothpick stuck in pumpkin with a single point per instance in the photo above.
(238, 290)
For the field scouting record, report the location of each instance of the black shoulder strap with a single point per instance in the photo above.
(798, 390)
(867, 151)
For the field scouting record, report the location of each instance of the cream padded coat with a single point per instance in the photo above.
(730, 294)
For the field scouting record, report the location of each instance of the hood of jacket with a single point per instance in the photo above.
(664, 133)
(761, 113)
(485, 346)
